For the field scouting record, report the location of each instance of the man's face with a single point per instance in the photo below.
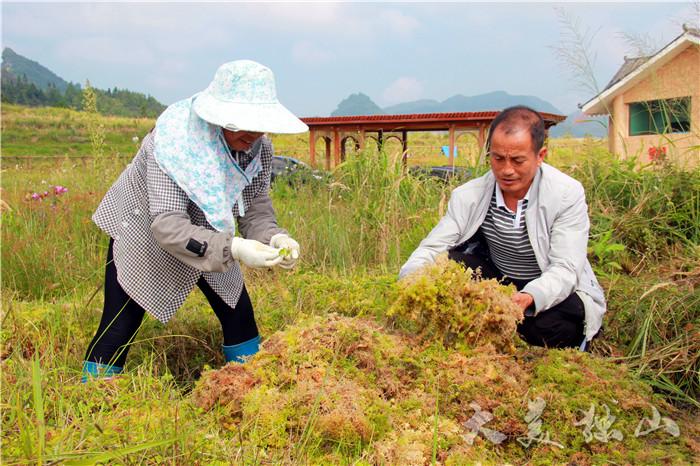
(514, 162)
(240, 140)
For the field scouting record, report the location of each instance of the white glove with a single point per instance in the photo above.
(254, 254)
(283, 241)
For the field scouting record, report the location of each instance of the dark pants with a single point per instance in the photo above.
(122, 316)
(560, 326)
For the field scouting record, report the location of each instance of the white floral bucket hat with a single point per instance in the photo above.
(242, 97)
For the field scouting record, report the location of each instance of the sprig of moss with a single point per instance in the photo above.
(453, 304)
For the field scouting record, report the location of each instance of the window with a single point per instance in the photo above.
(660, 116)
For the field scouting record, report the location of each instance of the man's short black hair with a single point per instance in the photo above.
(513, 119)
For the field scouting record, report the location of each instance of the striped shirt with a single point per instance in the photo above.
(506, 234)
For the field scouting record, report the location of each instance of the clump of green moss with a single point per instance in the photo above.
(332, 384)
(325, 378)
(453, 304)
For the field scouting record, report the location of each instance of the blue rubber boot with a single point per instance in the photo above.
(95, 369)
(242, 352)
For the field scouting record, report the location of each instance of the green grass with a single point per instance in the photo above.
(54, 132)
(355, 232)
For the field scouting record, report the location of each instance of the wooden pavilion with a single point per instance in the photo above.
(340, 130)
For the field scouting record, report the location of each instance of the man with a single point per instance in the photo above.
(526, 222)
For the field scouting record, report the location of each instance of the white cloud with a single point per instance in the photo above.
(290, 15)
(359, 22)
(403, 89)
(396, 21)
(158, 25)
(310, 53)
(174, 65)
(105, 49)
(165, 82)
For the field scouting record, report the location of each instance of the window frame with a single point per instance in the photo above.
(663, 116)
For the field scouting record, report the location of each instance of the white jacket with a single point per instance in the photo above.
(557, 225)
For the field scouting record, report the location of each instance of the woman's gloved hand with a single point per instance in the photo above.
(283, 241)
(254, 254)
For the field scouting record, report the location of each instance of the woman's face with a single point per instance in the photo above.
(240, 140)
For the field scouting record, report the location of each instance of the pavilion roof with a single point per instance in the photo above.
(415, 121)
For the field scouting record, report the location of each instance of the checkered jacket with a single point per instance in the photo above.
(151, 276)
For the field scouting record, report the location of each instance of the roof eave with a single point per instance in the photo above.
(600, 104)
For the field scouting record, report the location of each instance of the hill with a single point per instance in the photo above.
(578, 125)
(15, 65)
(497, 100)
(417, 106)
(575, 125)
(357, 104)
(26, 82)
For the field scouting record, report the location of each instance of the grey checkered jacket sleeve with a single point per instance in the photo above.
(163, 243)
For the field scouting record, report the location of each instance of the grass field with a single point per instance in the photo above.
(340, 380)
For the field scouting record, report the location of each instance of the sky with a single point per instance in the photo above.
(322, 52)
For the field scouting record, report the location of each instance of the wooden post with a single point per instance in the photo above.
(336, 146)
(312, 147)
(328, 153)
(362, 138)
(404, 147)
(343, 143)
(452, 146)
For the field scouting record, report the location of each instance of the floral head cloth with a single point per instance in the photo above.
(195, 155)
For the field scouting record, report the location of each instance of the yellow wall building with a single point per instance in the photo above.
(654, 104)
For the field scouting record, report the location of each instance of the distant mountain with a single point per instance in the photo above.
(495, 101)
(357, 104)
(417, 106)
(578, 125)
(19, 66)
(360, 104)
(26, 82)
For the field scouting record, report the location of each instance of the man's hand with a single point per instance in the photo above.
(254, 254)
(283, 241)
(524, 300)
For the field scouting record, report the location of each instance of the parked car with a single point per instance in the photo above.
(292, 170)
(441, 172)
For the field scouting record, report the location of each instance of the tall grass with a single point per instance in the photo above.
(645, 231)
(356, 229)
(50, 245)
(65, 132)
(653, 215)
(652, 210)
(368, 213)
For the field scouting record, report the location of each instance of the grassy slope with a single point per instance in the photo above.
(355, 235)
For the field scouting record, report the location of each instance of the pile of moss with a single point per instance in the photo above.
(332, 386)
(452, 304)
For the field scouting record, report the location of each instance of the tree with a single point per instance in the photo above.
(96, 131)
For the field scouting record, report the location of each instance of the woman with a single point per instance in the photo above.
(172, 215)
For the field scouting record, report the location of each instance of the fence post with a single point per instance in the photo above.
(28, 163)
(57, 161)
